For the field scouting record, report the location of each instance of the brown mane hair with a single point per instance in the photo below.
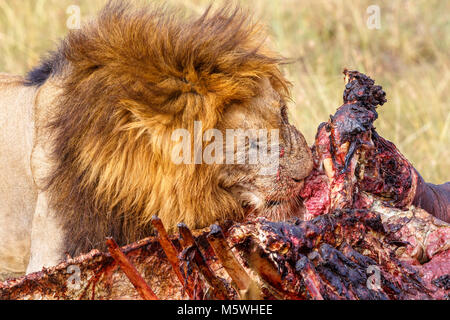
(129, 79)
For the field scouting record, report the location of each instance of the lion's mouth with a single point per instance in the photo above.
(276, 209)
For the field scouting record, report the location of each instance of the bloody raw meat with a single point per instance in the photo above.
(351, 159)
(355, 168)
(344, 255)
(355, 159)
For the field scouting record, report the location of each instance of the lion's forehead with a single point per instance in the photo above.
(260, 112)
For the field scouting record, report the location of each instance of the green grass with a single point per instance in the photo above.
(409, 56)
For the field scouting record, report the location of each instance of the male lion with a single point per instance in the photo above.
(86, 138)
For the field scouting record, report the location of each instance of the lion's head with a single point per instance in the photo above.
(133, 77)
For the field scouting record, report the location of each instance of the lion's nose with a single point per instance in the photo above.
(300, 161)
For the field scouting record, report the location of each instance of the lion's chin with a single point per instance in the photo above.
(278, 210)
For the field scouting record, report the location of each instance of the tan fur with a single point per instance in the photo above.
(17, 191)
(121, 86)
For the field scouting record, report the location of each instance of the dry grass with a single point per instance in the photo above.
(409, 56)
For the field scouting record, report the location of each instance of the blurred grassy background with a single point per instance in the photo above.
(409, 56)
